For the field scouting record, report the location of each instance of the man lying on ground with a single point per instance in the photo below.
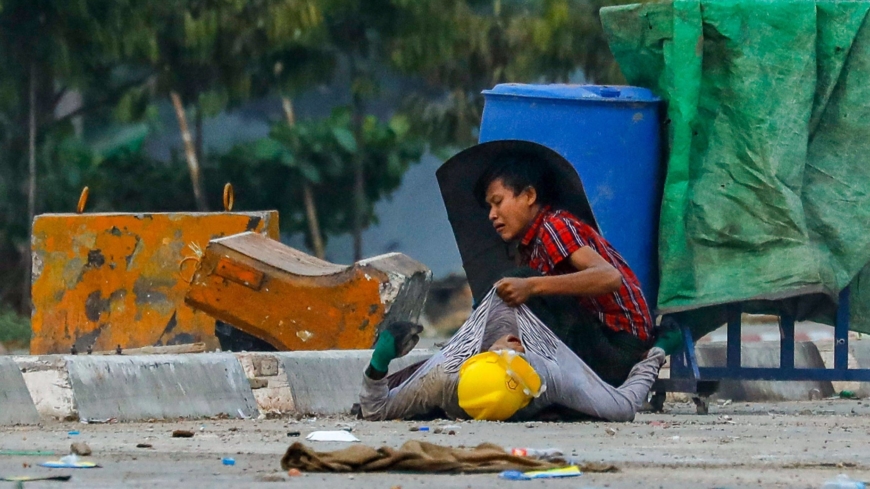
(503, 364)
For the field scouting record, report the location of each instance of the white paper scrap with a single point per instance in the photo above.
(339, 435)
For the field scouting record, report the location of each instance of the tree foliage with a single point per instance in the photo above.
(321, 153)
(122, 58)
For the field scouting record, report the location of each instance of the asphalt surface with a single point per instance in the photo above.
(798, 444)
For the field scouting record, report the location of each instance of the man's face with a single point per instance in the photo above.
(510, 213)
(508, 342)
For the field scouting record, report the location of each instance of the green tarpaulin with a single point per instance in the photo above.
(767, 195)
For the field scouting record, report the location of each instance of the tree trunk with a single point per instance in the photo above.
(31, 189)
(462, 129)
(359, 191)
(307, 194)
(313, 224)
(190, 153)
(197, 133)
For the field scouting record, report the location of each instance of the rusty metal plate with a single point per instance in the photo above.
(103, 280)
(298, 303)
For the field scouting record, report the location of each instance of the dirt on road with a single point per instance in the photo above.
(798, 445)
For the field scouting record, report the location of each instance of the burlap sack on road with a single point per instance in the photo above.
(419, 456)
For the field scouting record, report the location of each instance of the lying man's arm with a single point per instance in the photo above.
(424, 392)
(420, 394)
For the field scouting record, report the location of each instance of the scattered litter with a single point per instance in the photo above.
(542, 453)
(451, 427)
(73, 433)
(331, 436)
(675, 437)
(202, 428)
(610, 431)
(418, 428)
(272, 478)
(27, 478)
(242, 415)
(345, 427)
(98, 421)
(27, 453)
(294, 433)
(144, 445)
(294, 472)
(69, 462)
(815, 395)
(182, 434)
(228, 461)
(724, 402)
(80, 448)
(848, 395)
(516, 475)
(530, 425)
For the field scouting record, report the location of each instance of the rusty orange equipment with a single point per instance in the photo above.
(293, 300)
(103, 280)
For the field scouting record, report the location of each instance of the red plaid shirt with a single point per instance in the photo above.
(554, 236)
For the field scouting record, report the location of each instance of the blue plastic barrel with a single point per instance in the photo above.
(611, 136)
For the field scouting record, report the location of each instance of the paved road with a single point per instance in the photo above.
(743, 445)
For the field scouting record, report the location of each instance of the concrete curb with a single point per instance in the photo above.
(47, 380)
(313, 382)
(131, 388)
(16, 405)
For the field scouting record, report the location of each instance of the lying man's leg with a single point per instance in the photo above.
(575, 386)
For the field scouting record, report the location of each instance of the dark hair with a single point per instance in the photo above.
(517, 171)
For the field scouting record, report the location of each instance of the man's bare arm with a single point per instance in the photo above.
(594, 277)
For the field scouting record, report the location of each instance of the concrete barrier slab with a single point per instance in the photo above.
(131, 388)
(313, 382)
(48, 382)
(16, 405)
(766, 355)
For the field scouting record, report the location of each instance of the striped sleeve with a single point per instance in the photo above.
(561, 238)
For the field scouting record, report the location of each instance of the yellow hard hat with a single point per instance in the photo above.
(496, 384)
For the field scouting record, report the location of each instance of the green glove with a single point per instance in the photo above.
(394, 341)
(385, 352)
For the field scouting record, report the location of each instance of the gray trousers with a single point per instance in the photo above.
(569, 382)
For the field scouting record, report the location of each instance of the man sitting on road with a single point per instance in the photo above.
(503, 364)
(572, 278)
